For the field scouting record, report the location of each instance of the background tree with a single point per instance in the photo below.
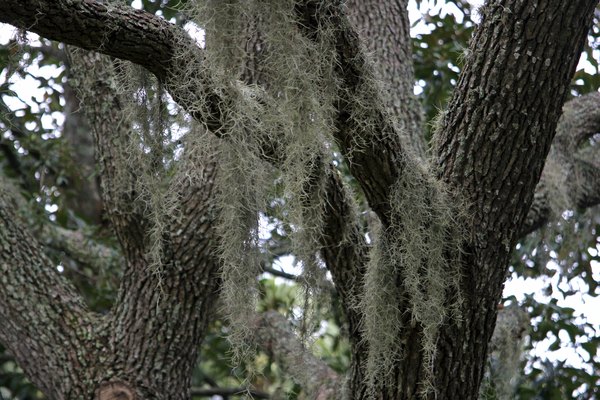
(184, 205)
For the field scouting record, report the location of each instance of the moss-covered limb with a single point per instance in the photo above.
(364, 129)
(81, 248)
(571, 176)
(160, 313)
(579, 122)
(344, 249)
(506, 352)
(572, 169)
(156, 331)
(164, 300)
(491, 147)
(385, 28)
(45, 325)
(94, 78)
(167, 52)
(275, 336)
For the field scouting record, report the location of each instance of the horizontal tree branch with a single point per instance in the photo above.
(81, 248)
(278, 273)
(223, 392)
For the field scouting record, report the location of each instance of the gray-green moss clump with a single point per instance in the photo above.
(291, 114)
(414, 262)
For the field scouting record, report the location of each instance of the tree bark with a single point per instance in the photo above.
(385, 29)
(146, 347)
(495, 137)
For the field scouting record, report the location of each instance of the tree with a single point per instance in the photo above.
(282, 92)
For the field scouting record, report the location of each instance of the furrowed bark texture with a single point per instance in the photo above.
(45, 325)
(149, 341)
(146, 348)
(496, 135)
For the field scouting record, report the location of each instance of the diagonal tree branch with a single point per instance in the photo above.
(495, 136)
(385, 27)
(365, 131)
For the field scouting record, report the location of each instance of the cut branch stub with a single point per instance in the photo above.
(115, 391)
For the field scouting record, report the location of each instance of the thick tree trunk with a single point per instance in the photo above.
(146, 348)
(495, 137)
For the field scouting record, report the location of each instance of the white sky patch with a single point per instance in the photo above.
(196, 33)
(586, 310)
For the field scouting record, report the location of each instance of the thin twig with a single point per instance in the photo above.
(206, 392)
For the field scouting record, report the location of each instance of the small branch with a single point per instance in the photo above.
(278, 273)
(202, 392)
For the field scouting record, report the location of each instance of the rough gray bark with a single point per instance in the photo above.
(146, 347)
(491, 150)
(572, 170)
(494, 139)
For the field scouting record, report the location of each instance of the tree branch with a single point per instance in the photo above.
(496, 113)
(494, 138)
(571, 176)
(365, 131)
(255, 394)
(59, 328)
(170, 54)
(385, 28)
(81, 248)
(93, 77)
